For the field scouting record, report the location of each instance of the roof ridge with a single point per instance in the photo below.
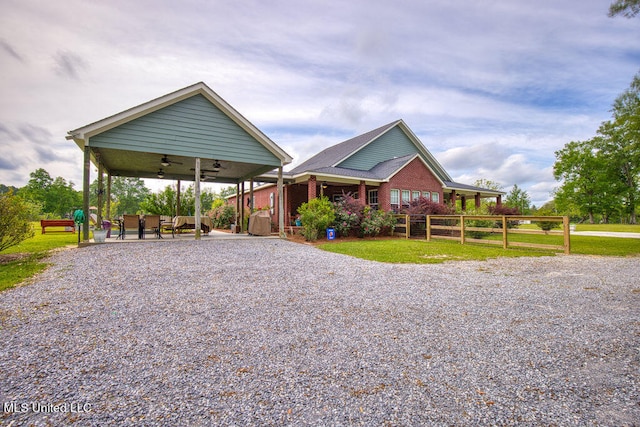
(338, 152)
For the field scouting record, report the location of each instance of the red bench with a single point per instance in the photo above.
(44, 223)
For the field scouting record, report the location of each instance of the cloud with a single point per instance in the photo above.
(491, 88)
(8, 49)
(69, 65)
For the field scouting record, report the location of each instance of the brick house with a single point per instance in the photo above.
(384, 168)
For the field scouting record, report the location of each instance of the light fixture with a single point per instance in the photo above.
(324, 185)
(165, 162)
(160, 173)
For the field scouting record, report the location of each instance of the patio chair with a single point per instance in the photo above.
(166, 225)
(152, 223)
(129, 223)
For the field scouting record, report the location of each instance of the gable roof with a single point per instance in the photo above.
(330, 157)
(82, 134)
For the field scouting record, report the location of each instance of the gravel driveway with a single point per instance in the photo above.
(270, 332)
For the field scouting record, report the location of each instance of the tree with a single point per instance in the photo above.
(127, 193)
(14, 221)
(578, 165)
(602, 175)
(161, 203)
(54, 196)
(5, 189)
(518, 199)
(628, 8)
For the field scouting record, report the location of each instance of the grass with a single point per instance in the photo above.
(422, 252)
(619, 228)
(32, 250)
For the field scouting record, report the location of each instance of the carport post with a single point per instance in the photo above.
(108, 208)
(85, 190)
(100, 193)
(197, 196)
(283, 235)
(242, 208)
(251, 196)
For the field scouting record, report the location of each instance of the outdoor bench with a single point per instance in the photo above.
(44, 223)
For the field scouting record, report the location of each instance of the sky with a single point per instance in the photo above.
(492, 88)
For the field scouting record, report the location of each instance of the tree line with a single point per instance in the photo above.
(601, 176)
(48, 197)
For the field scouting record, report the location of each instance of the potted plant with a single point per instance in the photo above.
(99, 235)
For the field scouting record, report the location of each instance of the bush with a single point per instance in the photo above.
(348, 213)
(14, 221)
(316, 215)
(222, 216)
(505, 210)
(375, 222)
(424, 206)
(546, 225)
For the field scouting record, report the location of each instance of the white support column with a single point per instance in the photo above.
(108, 208)
(283, 235)
(86, 180)
(100, 193)
(242, 230)
(197, 196)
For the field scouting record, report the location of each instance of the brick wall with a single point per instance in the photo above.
(416, 177)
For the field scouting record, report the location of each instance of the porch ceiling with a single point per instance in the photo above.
(148, 165)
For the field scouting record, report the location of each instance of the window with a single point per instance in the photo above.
(405, 198)
(271, 203)
(426, 195)
(435, 197)
(394, 197)
(415, 195)
(373, 198)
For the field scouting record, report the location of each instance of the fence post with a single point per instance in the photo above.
(505, 243)
(567, 235)
(462, 229)
(428, 228)
(407, 220)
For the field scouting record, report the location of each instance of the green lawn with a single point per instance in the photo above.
(422, 252)
(620, 228)
(36, 248)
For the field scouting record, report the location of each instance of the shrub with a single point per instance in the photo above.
(504, 210)
(316, 215)
(546, 225)
(424, 206)
(222, 216)
(348, 213)
(376, 222)
(14, 221)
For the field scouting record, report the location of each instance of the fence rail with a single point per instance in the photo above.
(457, 227)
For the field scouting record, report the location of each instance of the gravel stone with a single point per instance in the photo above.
(259, 332)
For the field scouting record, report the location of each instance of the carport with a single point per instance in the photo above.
(191, 134)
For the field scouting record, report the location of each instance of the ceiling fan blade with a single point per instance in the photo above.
(166, 162)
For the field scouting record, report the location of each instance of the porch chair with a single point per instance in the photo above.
(166, 224)
(130, 222)
(152, 223)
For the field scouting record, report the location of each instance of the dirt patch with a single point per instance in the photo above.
(7, 258)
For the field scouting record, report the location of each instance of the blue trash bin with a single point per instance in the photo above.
(331, 233)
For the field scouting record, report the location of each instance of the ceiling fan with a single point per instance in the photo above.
(166, 162)
(217, 167)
